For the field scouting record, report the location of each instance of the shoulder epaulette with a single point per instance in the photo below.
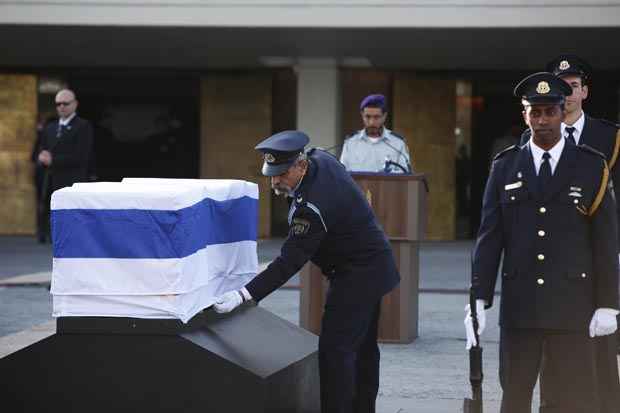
(505, 151)
(610, 123)
(526, 133)
(591, 150)
(351, 135)
(396, 135)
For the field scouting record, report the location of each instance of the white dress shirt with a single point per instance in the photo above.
(362, 153)
(578, 128)
(555, 152)
(65, 122)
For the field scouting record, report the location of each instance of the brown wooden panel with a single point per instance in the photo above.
(399, 308)
(18, 112)
(235, 116)
(398, 203)
(356, 85)
(425, 114)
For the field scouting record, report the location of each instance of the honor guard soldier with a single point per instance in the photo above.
(332, 225)
(604, 136)
(375, 148)
(549, 210)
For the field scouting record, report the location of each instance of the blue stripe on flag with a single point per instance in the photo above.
(138, 233)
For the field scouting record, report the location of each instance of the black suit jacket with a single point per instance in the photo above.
(70, 152)
(560, 263)
(603, 136)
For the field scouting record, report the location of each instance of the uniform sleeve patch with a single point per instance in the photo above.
(300, 226)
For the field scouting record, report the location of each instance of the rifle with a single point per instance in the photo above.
(474, 405)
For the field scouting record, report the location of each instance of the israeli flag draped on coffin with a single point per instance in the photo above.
(151, 248)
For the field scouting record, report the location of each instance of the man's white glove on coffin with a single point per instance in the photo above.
(603, 322)
(469, 323)
(225, 303)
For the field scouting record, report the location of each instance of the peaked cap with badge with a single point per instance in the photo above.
(281, 150)
(569, 64)
(542, 88)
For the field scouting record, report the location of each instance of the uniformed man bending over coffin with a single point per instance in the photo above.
(548, 208)
(332, 225)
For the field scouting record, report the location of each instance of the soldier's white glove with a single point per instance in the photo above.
(469, 323)
(227, 302)
(603, 322)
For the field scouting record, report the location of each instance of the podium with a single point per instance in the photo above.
(399, 203)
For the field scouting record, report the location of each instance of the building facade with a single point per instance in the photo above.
(186, 88)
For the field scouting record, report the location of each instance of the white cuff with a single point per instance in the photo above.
(246, 294)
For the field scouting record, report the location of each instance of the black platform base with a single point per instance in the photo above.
(247, 361)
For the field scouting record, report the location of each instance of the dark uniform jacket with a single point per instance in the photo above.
(603, 136)
(70, 152)
(560, 261)
(332, 225)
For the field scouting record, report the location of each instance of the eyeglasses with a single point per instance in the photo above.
(64, 103)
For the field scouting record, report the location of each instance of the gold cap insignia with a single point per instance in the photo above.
(269, 158)
(543, 88)
(564, 65)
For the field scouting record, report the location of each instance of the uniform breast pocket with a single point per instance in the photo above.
(514, 196)
(512, 201)
(577, 204)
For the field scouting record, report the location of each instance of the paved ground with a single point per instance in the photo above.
(428, 376)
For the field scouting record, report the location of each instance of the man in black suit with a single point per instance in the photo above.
(549, 209)
(66, 146)
(581, 129)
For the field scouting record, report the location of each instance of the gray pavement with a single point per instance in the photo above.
(427, 376)
(21, 255)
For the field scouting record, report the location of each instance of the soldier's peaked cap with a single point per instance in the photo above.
(281, 150)
(542, 87)
(569, 64)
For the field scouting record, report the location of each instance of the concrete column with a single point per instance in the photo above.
(318, 101)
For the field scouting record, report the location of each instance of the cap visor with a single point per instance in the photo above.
(275, 170)
(544, 100)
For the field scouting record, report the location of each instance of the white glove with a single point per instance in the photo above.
(227, 302)
(603, 322)
(469, 323)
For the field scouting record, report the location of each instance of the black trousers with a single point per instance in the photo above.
(349, 355)
(608, 386)
(570, 370)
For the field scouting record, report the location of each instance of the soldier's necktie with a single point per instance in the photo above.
(544, 175)
(570, 130)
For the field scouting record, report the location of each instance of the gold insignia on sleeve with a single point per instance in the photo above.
(369, 197)
(543, 88)
(269, 158)
(564, 65)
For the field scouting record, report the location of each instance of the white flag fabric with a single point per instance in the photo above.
(151, 248)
